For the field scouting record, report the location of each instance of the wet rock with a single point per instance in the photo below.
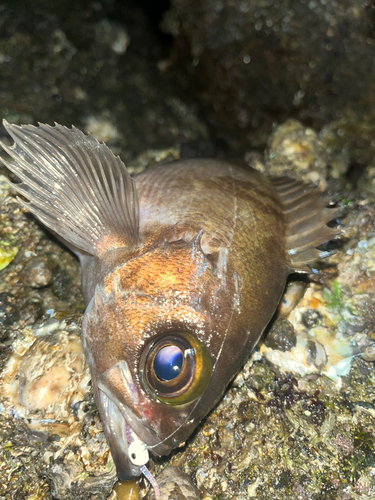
(60, 283)
(311, 318)
(9, 313)
(114, 35)
(252, 63)
(281, 336)
(175, 484)
(44, 389)
(45, 377)
(64, 485)
(91, 71)
(369, 353)
(297, 151)
(38, 272)
(245, 65)
(4, 187)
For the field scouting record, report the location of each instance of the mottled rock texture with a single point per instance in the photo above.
(253, 62)
(94, 65)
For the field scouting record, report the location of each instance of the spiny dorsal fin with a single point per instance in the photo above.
(76, 186)
(306, 216)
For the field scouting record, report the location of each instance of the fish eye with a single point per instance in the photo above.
(176, 368)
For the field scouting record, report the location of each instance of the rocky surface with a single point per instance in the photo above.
(256, 62)
(175, 484)
(75, 63)
(298, 420)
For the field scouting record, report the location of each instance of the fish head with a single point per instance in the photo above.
(152, 337)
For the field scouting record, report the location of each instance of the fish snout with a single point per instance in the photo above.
(116, 396)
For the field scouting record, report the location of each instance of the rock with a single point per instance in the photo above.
(4, 187)
(281, 336)
(253, 63)
(45, 378)
(38, 272)
(296, 151)
(90, 70)
(295, 77)
(311, 318)
(175, 484)
(9, 313)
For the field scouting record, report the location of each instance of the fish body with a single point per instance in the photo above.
(182, 270)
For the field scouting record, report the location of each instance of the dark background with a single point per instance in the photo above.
(213, 75)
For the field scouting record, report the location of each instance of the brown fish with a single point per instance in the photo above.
(182, 269)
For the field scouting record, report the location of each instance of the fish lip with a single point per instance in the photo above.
(115, 428)
(117, 401)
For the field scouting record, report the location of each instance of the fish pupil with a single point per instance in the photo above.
(168, 362)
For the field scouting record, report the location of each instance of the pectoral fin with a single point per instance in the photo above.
(306, 215)
(76, 186)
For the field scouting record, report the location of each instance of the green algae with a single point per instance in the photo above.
(7, 254)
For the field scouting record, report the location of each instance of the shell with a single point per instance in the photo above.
(45, 378)
(332, 322)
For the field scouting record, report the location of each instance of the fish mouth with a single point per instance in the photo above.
(128, 436)
(129, 453)
(116, 398)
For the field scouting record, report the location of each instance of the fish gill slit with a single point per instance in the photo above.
(235, 208)
(239, 289)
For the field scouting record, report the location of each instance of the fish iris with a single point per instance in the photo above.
(168, 362)
(175, 367)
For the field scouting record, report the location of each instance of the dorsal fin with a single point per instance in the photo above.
(306, 216)
(76, 186)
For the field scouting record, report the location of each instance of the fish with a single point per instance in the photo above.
(183, 267)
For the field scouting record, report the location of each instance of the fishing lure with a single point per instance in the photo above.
(182, 269)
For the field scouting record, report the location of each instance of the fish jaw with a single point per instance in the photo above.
(118, 402)
(126, 434)
(113, 413)
(115, 428)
